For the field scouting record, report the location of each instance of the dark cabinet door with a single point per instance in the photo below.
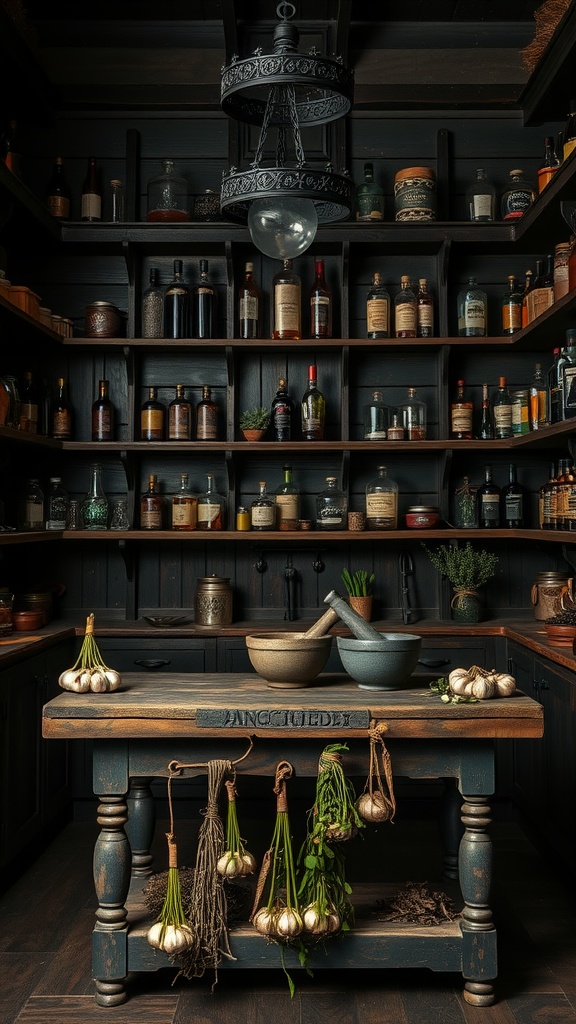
(21, 793)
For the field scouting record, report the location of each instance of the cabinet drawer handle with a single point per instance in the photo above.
(430, 663)
(152, 664)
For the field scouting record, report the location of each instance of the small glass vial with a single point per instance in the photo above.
(263, 510)
(331, 507)
(6, 602)
(30, 512)
(95, 504)
(413, 414)
(116, 201)
(184, 507)
(376, 418)
(242, 519)
(168, 196)
(382, 502)
(153, 307)
(211, 507)
(57, 505)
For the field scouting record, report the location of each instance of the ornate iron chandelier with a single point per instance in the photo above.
(284, 90)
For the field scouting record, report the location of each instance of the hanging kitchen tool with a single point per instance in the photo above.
(405, 570)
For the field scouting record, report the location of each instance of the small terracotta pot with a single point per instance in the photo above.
(362, 605)
(253, 435)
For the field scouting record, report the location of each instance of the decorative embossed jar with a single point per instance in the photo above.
(415, 194)
(102, 320)
(213, 601)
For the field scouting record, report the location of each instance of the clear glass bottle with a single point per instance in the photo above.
(377, 310)
(488, 498)
(176, 319)
(102, 416)
(95, 504)
(91, 199)
(119, 515)
(203, 305)
(376, 418)
(58, 192)
(287, 304)
(382, 502)
(413, 417)
(249, 306)
(550, 163)
(461, 415)
(152, 506)
(511, 307)
(538, 400)
(168, 196)
(152, 418)
(481, 198)
(211, 507)
(405, 310)
(369, 197)
(206, 417)
(517, 197)
(180, 416)
(424, 310)
(56, 505)
(472, 311)
(283, 414)
(486, 421)
(287, 501)
(61, 413)
(513, 502)
(313, 408)
(30, 507)
(29, 409)
(184, 507)
(502, 411)
(263, 510)
(465, 506)
(153, 307)
(115, 202)
(331, 507)
(320, 305)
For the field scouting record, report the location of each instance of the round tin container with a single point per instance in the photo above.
(102, 320)
(422, 517)
(415, 194)
(213, 601)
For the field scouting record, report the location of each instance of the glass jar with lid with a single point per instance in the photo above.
(382, 502)
(413, 414)
(168, 196)
(376, 418)
(331, 507)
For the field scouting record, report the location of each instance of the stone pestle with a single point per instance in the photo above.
(322, 625)
(361, 629)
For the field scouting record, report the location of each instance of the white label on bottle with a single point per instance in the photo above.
(462, 419)
(263, 515)
(405, 316)
(474, 314)
(248, 307)
(287, 308)
(502, 417)
(91, 206)
(569, 387)
(482, 207)
(490, 507)
(287, 506)
(377, 315)
(381, 505)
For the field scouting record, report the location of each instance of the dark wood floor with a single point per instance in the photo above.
(45, 933)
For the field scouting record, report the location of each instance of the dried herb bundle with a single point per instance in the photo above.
(417, 904)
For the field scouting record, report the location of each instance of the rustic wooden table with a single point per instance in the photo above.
(154, 720)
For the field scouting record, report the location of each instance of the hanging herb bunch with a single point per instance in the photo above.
(171, 931)
(278, 917)
(235, 862)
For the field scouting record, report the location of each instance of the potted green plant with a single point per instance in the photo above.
(467, 569)
(254, 423)
(360, 587)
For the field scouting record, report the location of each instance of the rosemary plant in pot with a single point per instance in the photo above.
(254, 423)
(467, 569)
(360, 587)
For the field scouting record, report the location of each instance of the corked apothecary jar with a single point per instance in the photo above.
(547, 593)
(415, 194)
(103, 320)
(213, 601)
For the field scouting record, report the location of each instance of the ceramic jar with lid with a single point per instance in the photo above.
(415, 194)
(213, 601)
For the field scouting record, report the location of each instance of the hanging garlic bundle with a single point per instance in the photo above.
(377, 802)
(89, 673)
(171, 931)
(279, 917)
(235, 861)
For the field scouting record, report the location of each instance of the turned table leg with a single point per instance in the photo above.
(479, 959)
(140, 826)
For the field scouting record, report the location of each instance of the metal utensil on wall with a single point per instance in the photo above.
(405, 571)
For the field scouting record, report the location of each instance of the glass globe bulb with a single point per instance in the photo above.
(282, 227)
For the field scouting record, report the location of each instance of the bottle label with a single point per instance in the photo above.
(490, 508)
(481, 208)
(33, 515)
(29, 417)
(152, 424)
(319, 313)
(102, 423)
(405, 316)
(377, 315)
(287, 308)
(312, 428)
(512, 316)
(184, 513)
(381, 505)
(209, 516)
(248, 307)
(179, 426)
(425, 316)
(462, 419)
(263, 516)
(207, 425)
(61, 424)
(59, 206)
(151, 516)
(91, 206)
(288, 506)
(474, 315)
(570, 388)
(502, 417)
(513, 507)
(516, 203)
(538, 301)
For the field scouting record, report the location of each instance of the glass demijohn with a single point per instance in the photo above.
(168, 196)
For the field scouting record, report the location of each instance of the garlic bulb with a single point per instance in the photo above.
(481, 683)
(172, 938)
(90, 674)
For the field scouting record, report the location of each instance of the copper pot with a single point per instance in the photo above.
(103, 320)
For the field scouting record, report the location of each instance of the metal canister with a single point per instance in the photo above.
(415, 194)
(213, 601)
(548, 592)
(102, 320)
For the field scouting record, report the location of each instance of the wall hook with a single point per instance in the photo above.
(318, 565)
(261, 564)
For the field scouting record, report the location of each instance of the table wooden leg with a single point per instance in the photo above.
(111, 880)
(140, 826)
(451, 828)
(479, 959)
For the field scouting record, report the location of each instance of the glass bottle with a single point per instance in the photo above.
(376, 418)
(502, 411)
(382, 502)
(424, 310)
(481, 198)
(313, 408)
(103, 414)
(115, 202)
(287, 501)
(472, 311)
(61, 413)
(413, 416)
(511, 307)
(56, 505)
(263, 510)
(249, 305)
(517, 197)
(513, 499)
(461, 415)
(538, 400)
(555, 404)
(283, 414)
(486, 421)
(91, 200)
(94, 508)
(541, 294)
(331, 507)
(58, 192)
(184, 507)
(152, 506)
(119, 515)
(377, 310)
(211, 507)
(465, 506)
(369, 197)
(179, 416)
(153, 307)
(203, 305)
(569, 375)
(550, 163)
(29, 404)
(11, 151)
(569, 134)
(177, 306)
(320, 305)
(152, 418)
(488, 498)
(167, 196)
(286, 304)
(206, 417)
(405, 310)
(526, 296)
(30, 507)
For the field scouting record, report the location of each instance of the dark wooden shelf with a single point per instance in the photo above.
(22, 326)
(551, 84)
(273, 538)
(22, 437)
(31, 537)
(28, 203)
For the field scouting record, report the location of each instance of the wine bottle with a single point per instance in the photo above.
(313, 408)
(91, 201)
(58, 192)
(103, 414)
(282, 414)
(488, 497)
(424, 310)
(249, 306)
(203, 301)
(287, 501)
(177, 306)
(320, 305)
(286, 304)
(513, 502)
(502, 410)
(486, 421)
(61, 413)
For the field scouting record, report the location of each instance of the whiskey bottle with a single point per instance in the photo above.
(58, 192)
(376, 418)
(413, 417)
(481, 198)
(153, 307)
(177, 306)
(502, 411)
(211, 507)
(377, 310)
(461, 415)
(511, 307)
(331, 507)
(91, 201)
(103, 414)
(203, 303)
(320, 305)
(287, 501)
(206, 417)
(286, 304)
(184, 507)
(313, 408)
(555, 403)
(424, 310)
(486, 422)
(283, 414)
(472, 309)
(152, 418)
(29, 404)
(61, 413)
(152, 506)
(179, 416)
(405, 310)
(382, 502)
(517, 197)
(488, 497)
(369, 197)
(513, 502)
(550, 163)
(538, 400)
(569, 375)
(249, 306)
(263, 510)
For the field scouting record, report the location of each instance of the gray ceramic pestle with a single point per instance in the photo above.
(322, 625)
(361, 629)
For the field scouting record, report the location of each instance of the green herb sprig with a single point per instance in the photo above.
(441, 688)
(359, 583)
(465, 567)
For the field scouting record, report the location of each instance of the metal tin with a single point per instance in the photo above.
(242, 519)
(213, 601)
(207, 206)
(415, 194)
(422, 517)
(548, 592)
(102, 320)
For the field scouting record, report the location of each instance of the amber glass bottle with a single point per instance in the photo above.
(103, 414)
(61, 413)
(206, 417)
(152, 418)
(286, 304)
(152, 506)
(320, 305)
(179, 417)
